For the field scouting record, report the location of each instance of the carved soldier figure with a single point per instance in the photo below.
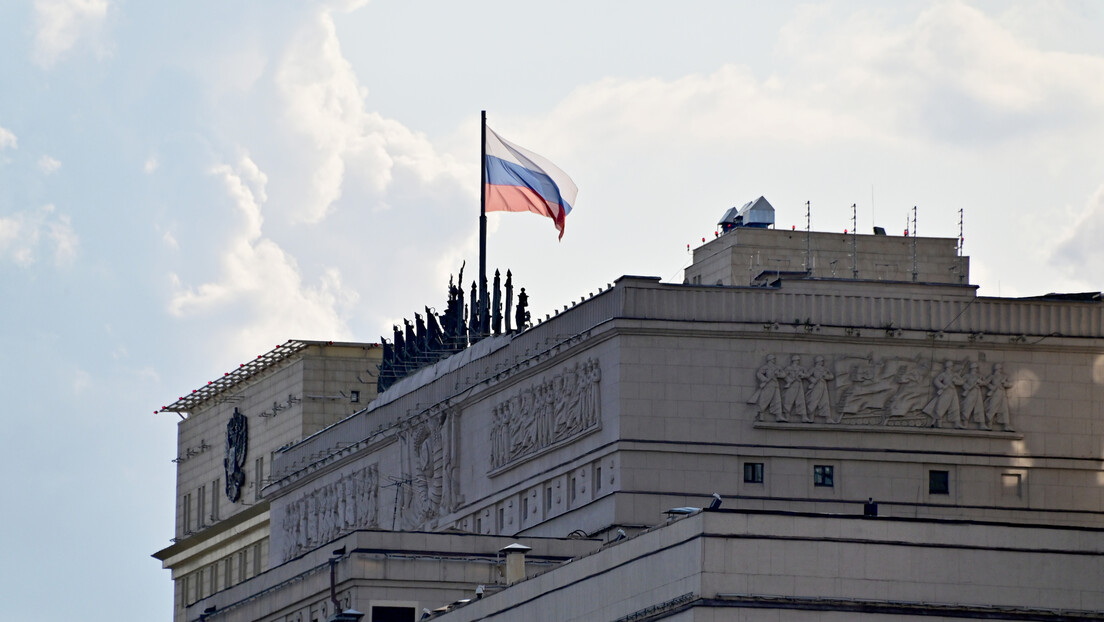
(768, 397)
(793, 389)
(996, 399)
(945, 403)
(973, 407)
(817, 402)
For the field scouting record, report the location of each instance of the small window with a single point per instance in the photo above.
(524, 508)
(256, 559)
(187, 514)
(572, 490)
(753, 472)
(392, 614)
(478, 524)
(354, 396)
(548, 499)
(258, 477)
(598, 479)
(214, 500)
(501, 519)
(939, 483)
(200, 515)
(824, 475)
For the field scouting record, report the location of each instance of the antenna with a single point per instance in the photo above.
(961, 243)
(961, 238)
(914, 273)
(854, 251)
(808, 244)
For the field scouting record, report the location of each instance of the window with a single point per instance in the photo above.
(753, 472)
(392, 614)
(241, 565)
(258, 477)
(548, 499)
(939, 483)
(824, 475)
(524, 508)
(256, 559)
(214, 500)
(187, 519)
(478, 524)
(201, 495)
(572, 491)
(354, 396)
(597, 479)
(501, 519)
(213, 576)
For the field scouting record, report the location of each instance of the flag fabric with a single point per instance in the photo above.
(518, 180)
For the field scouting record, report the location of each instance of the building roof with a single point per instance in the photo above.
(245, 371)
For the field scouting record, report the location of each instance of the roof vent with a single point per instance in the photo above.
(758, 214)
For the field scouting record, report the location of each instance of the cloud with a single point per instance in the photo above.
(8, 139)
(1081, 246)
(48, 165)
(26, 235)
(62, 23)
(261, 283)
(150, 165)
(324, 104)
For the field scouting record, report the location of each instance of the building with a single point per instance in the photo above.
(229, 431)
(883, 442)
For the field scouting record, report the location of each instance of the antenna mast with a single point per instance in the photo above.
(808, 243)
(961, 242)
(854, 250)
(914, 272)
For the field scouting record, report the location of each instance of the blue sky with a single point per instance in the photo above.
(185, 185)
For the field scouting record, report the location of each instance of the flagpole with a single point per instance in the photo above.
(482, 222)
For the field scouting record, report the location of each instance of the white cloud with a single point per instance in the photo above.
(150, 165)
(8, 139)
(48, 165)
(324, 103)
(1081, 247)
(260, 281)
(62, 23)
(26, 235)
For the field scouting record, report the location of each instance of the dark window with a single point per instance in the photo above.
(598, 478)
(939, 483)
(824, 475)
(548, 499)
(354, 396)
(392, 614)
(753, 472)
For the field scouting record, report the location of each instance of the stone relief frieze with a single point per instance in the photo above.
(429, 446)
(347, 504)
(892, 392)
(545, 414)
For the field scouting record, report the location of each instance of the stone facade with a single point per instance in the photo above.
(972, 423)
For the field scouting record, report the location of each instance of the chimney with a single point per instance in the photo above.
(515, 562)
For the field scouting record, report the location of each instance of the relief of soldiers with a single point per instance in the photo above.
(817, 402)
(996, 399)
(945, 404)
(793, 389)
(973, 407)
(768, 397)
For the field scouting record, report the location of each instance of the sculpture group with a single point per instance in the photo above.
(347, 504)
(887, 392)
(540, 416)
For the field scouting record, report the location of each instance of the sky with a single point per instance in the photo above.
(185, 185)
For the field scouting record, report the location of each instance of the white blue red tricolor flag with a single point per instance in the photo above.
(518, 180)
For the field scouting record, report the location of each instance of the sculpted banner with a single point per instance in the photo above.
(430, 482)
(538, 417)
(327, 512)
(892, 392)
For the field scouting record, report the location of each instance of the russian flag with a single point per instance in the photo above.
(518, 180)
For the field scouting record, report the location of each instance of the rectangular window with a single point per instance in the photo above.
(572, 491)
(478, 524)
(214, 578)
(187, 519)
(258, 477)
(186, 589)
(597, 479)
(753, 472)
(824, 475)
(501, 519)
(227, 575)
(392, 614)
(939, 483)
(354, 396)
(548, 499)
(214, 500)
(524, 508)
(241, 566)
(256, 559)
(201, 495)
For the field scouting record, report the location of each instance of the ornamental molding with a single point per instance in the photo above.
(883, 393)
(546, 415)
